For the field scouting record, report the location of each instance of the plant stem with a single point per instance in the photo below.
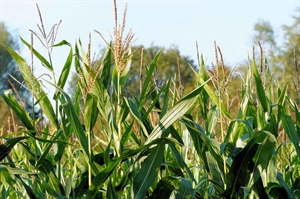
(118, 116)
(90, 158)
(222, 136)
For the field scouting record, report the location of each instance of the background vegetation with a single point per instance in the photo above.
(149, 123)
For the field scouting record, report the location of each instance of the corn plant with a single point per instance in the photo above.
(158, 144)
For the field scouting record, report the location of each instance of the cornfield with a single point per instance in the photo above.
(158, 144)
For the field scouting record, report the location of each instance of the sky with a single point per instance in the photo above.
(162, 23)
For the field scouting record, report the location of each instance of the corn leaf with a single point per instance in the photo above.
(260, 89)
(176, 112)
(165, 187)
(215, 99)
(240, 170)
(8, 146)
(47, 168)
(12, 102)
(52, 192)
(75, 122)
(133, 108)
(148, 172)
(148, 80)
(90, 112)
(166, 100)
(66, 69)
(38, 55)
(102, 176)
(181, 162)
(185, 189)
(111, 193)
(288, 190)
(105, 67)
(35, 88)
(289, 128)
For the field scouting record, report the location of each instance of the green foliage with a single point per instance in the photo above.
(8, 65)
(165, 68)
(284, 57)
(10, 78)
(151, 144)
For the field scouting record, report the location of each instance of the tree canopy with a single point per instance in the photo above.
(8, 67)
(282, 57)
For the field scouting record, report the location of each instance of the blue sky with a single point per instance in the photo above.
(229, 23)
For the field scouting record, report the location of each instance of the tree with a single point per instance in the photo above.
(8, 66)
(282, 57)
(264, 34)
(290, 53)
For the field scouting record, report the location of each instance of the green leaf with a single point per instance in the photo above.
(236, 129)
(181, 162)
(82, 186)
(259, 88)
(105, 67)
(52, 192)
(63, 42)
(47, 168)
(115, 79)
(67, 105)
(64, 134)
(49, 146)
(28, 189)
(214, 170)
(148, 172)
(289, 128)
(203, 97)
(8, 146)
(107, 153)
(285, 186)
(199, 139)
(133, 108)
(215, 99)
(35, 88)
(101, 177)
(166, 100)
(12, 102)
(174, 113)
(90, 112)
(281, 101)
(126, 135)
(212, 118)
(165, 187)
(259, 188)
(4, 174)
(185, 189)
(148, 80)
(111, 193)
(66, 69)
(154, 101)
(240, 171)
(263, 160)
(276, 191)
(203, 144)
(38, 55)
(15, 171)
(77, 64)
